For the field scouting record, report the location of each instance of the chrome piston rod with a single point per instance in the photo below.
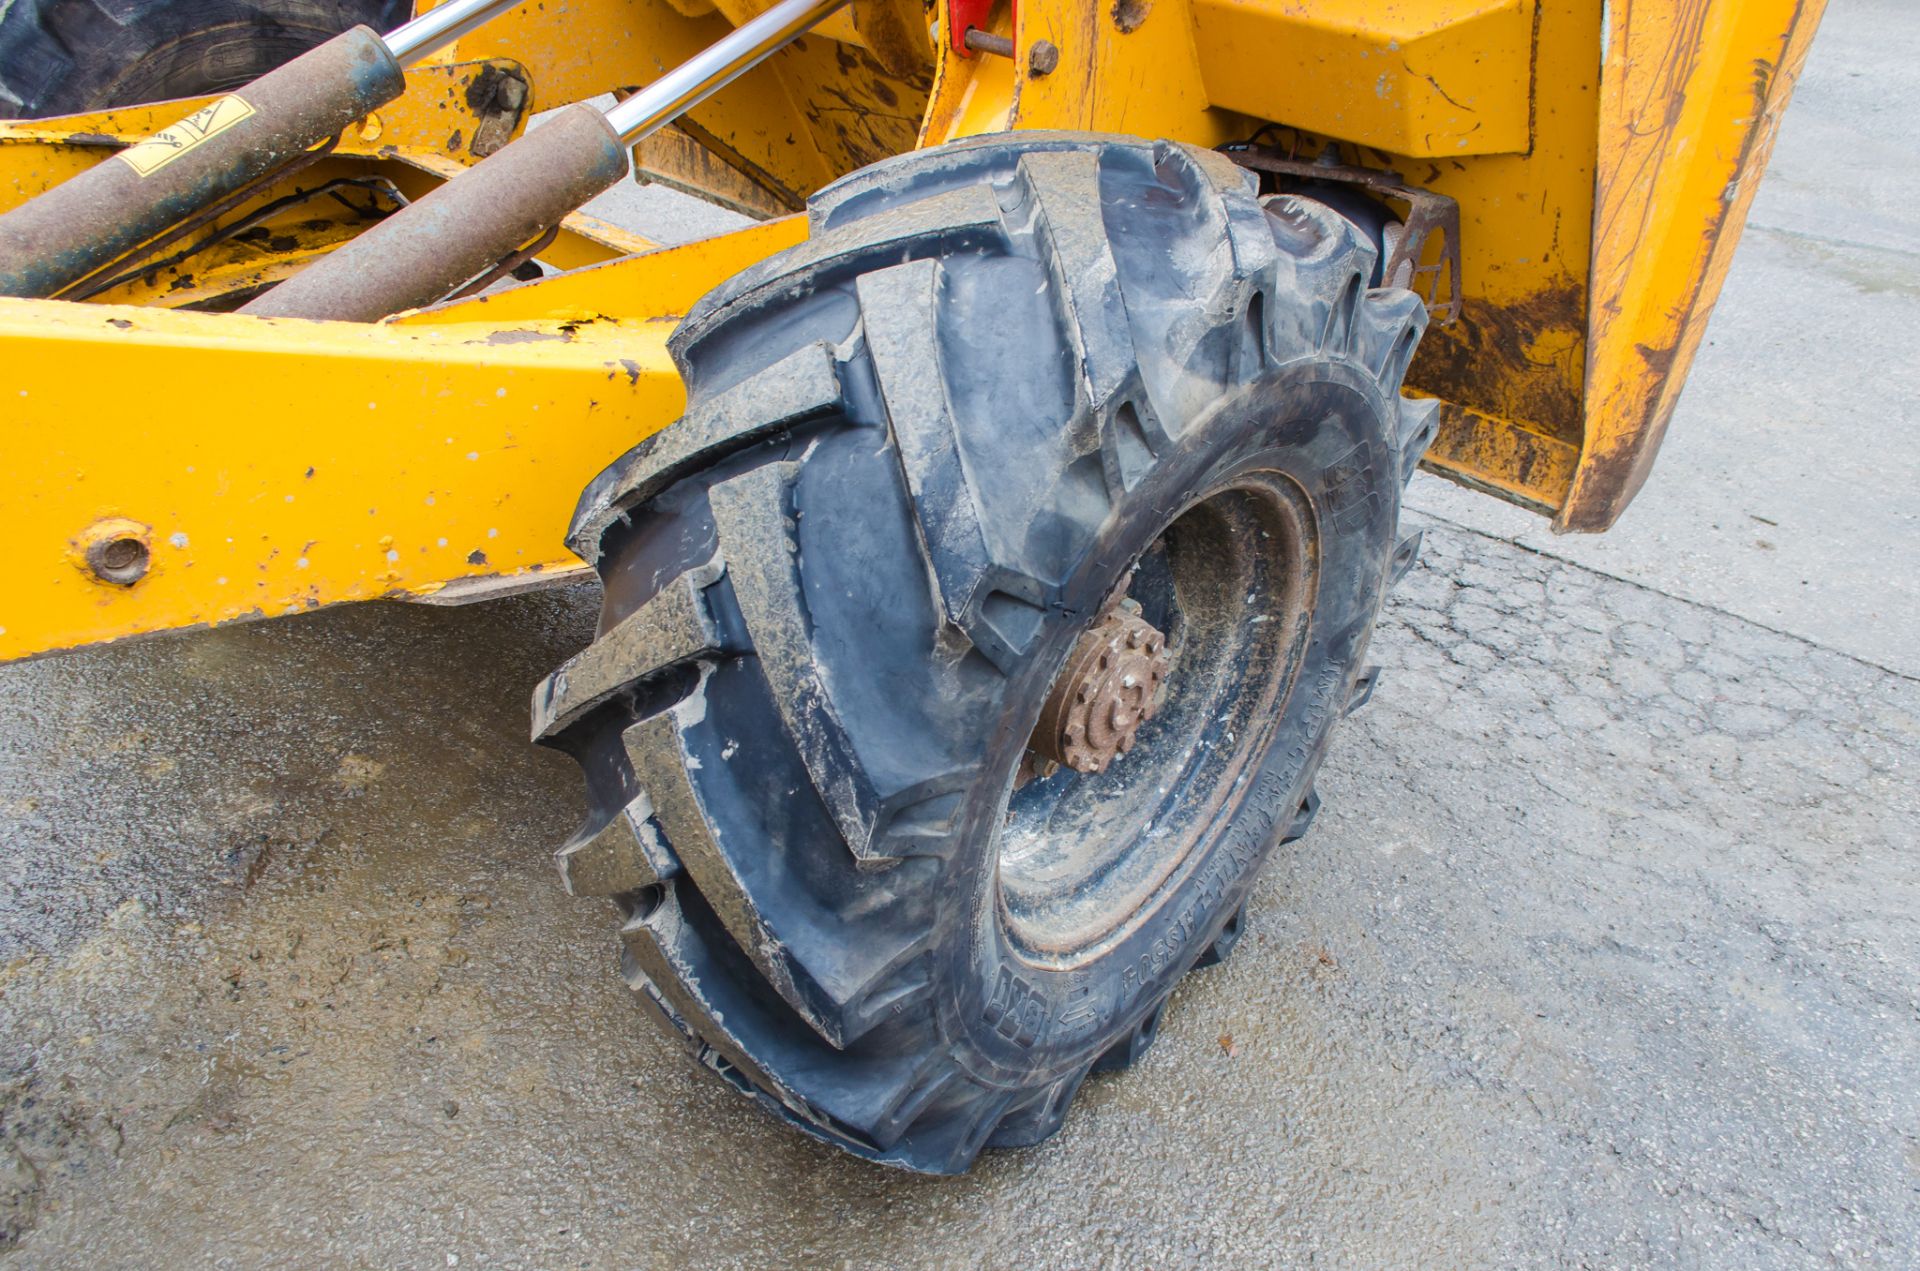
(714, 67)
(53, 241)
(441, 26)
(453, 235)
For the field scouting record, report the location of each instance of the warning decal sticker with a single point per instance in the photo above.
(157, 151)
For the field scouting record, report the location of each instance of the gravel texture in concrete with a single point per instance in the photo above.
(1605, 949)
(1785, 490)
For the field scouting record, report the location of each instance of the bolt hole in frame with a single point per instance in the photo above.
(1569, 434)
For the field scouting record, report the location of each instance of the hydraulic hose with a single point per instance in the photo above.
(426, 250)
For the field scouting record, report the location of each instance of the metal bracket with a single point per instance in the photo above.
(1427, 214)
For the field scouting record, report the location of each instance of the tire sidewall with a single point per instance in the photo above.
(1326, 426)
(159, 50)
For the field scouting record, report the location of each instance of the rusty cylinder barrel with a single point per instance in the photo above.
(455, 233)
(53, 241)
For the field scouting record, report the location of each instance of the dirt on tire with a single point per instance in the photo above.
(1003, 382)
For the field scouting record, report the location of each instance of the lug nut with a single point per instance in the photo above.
(1108, 688)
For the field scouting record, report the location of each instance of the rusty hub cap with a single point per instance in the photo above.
(1109, 687)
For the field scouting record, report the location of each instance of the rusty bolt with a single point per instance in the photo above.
(1104, 693)
(509, 94)
(1042, 58)
(987, 42)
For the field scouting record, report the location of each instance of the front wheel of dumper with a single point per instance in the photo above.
(978, 631)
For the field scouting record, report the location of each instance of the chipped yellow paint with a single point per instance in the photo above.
(1691, 99)
(1602, 171)
(1126, 66)
(280, 465)
(283, 465)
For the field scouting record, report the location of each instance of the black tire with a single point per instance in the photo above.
(919, 452)
(62, 57)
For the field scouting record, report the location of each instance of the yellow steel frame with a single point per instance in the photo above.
(1602, 161)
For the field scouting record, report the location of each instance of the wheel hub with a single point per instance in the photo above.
(1108, 688)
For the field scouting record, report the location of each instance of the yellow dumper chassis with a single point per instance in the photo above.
(175, 465)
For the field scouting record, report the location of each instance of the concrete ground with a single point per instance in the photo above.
(1604, 951)
(1785, 492)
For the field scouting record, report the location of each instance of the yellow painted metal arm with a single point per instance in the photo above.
(1602, 171)
(268, 476)
(1691, 98)
(269, 467)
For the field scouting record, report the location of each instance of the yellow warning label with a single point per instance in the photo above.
(203, 125)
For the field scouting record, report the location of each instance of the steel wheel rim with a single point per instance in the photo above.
(1082, 859)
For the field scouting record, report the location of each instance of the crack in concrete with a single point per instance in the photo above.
(1702, 605)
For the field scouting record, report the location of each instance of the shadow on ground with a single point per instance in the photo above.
(1603, 949)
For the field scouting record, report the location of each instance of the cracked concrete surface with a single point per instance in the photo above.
(1605, 949)
(1784, 492)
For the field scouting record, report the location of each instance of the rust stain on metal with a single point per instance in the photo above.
(115, 551)
(1129, 15)
(1431, 218)
(1522, 361)
(1504, 458)
(1109, 687)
